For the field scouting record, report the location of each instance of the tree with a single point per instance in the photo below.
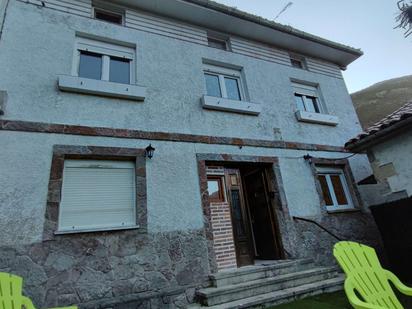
(404, 18)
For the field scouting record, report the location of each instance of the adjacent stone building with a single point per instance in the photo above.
(248, 120)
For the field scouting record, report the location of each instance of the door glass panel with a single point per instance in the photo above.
(232, 88)
(233, 180)
(338, 188)
(237, 213)
(299, 102)
(90, 65)
(119, 70)
(212, 85)
(325, 190)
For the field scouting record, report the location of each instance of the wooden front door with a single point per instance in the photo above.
(262, 217)
(240, 220)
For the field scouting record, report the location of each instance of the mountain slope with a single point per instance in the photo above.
(381, 99)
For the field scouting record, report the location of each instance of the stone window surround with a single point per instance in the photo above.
(275, 183)
(347, 171)
(62, 152)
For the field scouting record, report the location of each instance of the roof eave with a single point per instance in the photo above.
(379, 137)
(219, 17)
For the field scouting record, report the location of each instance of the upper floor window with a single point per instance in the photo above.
(335, 189)
(107, 12)
(223, 82)
(298, 62)
(218, 41)
(104, 61)
(307, 98)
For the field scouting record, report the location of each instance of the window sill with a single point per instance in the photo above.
(99, 87)
(341, 210)
(228, 105)
(317, 118)
(91, 230)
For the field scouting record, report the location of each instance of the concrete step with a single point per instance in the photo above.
(285, 295)
(254, 272)
(229, 293)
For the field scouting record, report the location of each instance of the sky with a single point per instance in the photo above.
(364, 24)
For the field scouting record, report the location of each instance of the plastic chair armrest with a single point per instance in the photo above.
(398, 284)
(353, 298)
(27, 303)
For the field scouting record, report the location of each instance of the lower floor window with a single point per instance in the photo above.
(335, 188)
(97, 194)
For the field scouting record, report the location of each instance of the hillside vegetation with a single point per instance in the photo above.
(379, 100)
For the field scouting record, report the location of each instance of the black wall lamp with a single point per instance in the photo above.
(149, 151)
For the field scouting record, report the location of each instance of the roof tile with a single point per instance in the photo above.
(397, 116)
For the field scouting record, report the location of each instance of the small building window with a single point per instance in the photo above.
(97, 195)
(298, 62)
(218, 40)
(217, 43)
(104, 61)
(223, 83)
(215, 187)
(108, 12)
(334, 188)
(307, 98)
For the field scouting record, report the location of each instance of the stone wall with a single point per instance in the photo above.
(115, 270)
(317, 244)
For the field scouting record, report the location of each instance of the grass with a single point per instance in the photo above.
(335, 300)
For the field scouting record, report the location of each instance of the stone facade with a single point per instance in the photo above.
(126, 269)
(354, 226)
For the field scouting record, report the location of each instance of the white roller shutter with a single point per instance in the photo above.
(97, 195)
(304, 89)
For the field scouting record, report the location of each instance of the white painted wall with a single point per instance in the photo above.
(396, 150)
(38, 46)
(173, 192)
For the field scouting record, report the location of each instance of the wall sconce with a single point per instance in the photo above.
(149, 151)
(308, 158)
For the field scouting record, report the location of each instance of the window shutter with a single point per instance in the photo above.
(305, 89)
(97, 195)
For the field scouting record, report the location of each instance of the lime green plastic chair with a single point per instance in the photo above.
(365, 275)
(11, 293)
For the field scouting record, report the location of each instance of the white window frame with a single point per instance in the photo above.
(306, 90)
(327, 172)
(221, 73)
(108, 8)
(106, 164)
(106, 50)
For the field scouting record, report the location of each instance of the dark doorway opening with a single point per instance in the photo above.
(262, 218)
(252, 204)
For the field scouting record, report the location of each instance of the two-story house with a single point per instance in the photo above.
(148, 146)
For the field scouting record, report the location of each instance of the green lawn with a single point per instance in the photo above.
(335, 300)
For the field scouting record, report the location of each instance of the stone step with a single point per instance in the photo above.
(254, 272)
(285, 295)
(219, 295)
